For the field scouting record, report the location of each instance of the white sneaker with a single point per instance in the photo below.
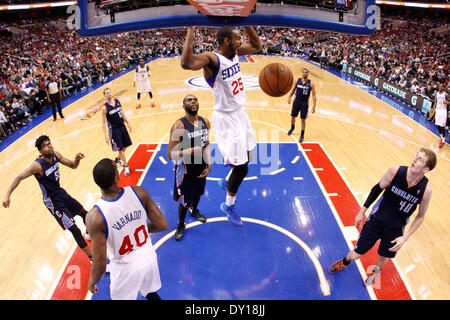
(127, 171)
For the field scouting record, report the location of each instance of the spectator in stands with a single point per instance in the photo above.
(34, 103)
(402, 81)
(5, 123)
(11, 115)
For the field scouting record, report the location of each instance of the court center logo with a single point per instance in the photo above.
(251, 81)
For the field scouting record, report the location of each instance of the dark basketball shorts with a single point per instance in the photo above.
(300, 107)
(187, 187)
(119, 138)
(374, 230)
(63, 208)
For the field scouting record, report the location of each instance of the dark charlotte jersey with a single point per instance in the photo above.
(194, 136)
(303, 90)
(49, 182)
(114, 114)
(398, 202)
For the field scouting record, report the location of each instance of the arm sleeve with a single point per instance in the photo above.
(373, 195)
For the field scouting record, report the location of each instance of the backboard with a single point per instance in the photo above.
(98, 17)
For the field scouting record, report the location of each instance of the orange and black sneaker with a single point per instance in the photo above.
(336, 266)
(373, 276)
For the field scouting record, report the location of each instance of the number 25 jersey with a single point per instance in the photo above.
(227, 85)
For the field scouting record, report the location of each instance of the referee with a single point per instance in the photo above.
(54, 97)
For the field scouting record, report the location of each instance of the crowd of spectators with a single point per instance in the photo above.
(405, 52)
(408, 53)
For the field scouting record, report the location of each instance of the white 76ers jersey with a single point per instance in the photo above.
(125, 218)
(227, 85)
(143, 73)
(440, 99)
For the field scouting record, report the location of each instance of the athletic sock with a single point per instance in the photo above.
(230, 200)
(195, 204)
(345, 262)
(181, 215)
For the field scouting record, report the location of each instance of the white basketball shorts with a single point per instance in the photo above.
(440, 118)
(140, 275)
(143, 86)
(234, 135)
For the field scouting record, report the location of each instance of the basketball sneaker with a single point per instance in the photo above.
(290, 131)
(153, 104)
(336, 266)
(197, 215)
(179, 232)
(223, 183)
(301, 139)
(127, 171)
(231, 214)
(138, 106)
(373, 276)
(441, 143)
(118, 161)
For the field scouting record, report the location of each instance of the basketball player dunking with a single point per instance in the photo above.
(143, 83)
(302, 90)
(234, 133)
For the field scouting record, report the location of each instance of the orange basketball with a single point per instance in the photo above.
(275, 79)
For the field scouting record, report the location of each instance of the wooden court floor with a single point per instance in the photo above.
(362, 135)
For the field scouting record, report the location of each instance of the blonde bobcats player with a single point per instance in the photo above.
(143, 84)
(118, 224)
(234, 133)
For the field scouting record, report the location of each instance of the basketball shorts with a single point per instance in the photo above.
(300, 107)
(143, 86)
(119, 138)
(440, 118)
(187, 186)
(234, 135)
(140, 275)
(63, 208)
(374, 230)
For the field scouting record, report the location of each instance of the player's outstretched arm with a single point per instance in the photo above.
(70, 163)
(34, 168)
